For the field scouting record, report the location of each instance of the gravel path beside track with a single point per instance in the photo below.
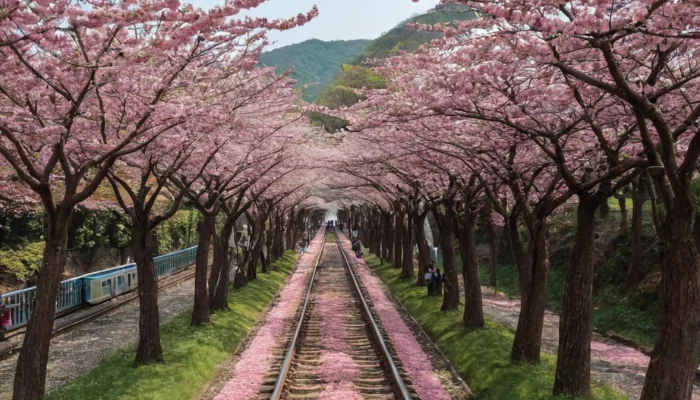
(81, 349)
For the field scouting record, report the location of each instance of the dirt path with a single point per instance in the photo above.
(612, 363)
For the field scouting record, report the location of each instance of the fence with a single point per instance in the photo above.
(71, 293)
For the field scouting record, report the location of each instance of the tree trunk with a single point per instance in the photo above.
(296, 228)
(673, 361)
(533, 293)
(622, 201)
(267, 244)
(450, 300)
(255, 253)
(473, 308)
(218, 285)
(398, 244)
(636, 261)
(289, 244)
(407, 266)
(264, 262)
(122, 256)
(279, 236)
(200, 311)
(253, 263)
(218, 249)
(604, 209)
(30, 375)
(274, 237)
(388, 247)
(516, 243)
(423, 249)
(573, 374)
(656, 212)
(376, 233)
(149, 349)
(493, 249)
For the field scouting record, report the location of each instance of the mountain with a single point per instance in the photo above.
(354, 75)
(402, 37)
(315, 62)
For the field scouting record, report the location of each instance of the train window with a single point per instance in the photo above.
(104, 283)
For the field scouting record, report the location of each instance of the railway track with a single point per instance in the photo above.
(17, 337)
(337, 345)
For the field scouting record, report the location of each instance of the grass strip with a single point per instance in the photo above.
(191, 354)
(615, 312)
(481, 357)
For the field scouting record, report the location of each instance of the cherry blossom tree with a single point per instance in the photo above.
(641, 53)
(77, 98)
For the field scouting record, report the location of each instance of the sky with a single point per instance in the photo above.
(338, 19)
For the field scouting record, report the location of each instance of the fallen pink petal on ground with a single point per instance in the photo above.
(414, 360)
(250, 370)
(340, 391)
(337, 368)
(618, 354)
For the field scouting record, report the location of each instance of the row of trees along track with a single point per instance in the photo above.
(519, 114)
(161, 103)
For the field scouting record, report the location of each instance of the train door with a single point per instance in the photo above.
(107, 287)
(120, 284)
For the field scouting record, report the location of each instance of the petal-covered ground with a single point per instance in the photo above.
(612, 363)
(415, 362)
(250, 370)
(338, 369)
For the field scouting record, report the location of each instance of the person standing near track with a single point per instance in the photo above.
(5, 318)
(438, 280)
(429, 280)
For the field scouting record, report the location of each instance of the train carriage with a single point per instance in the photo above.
(95, 287)
(107, 284)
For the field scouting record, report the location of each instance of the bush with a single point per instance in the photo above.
(22, 262)
(177, 233)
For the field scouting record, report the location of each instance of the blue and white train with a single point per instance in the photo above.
(95, 287)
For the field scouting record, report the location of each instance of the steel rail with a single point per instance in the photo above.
(289, 356)
(395, 374)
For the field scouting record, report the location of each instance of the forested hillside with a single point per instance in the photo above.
(315, 62)
(353, 75)
(403, 37)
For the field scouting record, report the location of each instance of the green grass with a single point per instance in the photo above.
(632, 315)
(191, 354)
(615, 312)
(480, 357)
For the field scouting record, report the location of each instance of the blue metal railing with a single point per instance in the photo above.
(170, 263)
(71, 293)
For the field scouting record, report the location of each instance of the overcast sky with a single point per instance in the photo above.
(338, 19)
